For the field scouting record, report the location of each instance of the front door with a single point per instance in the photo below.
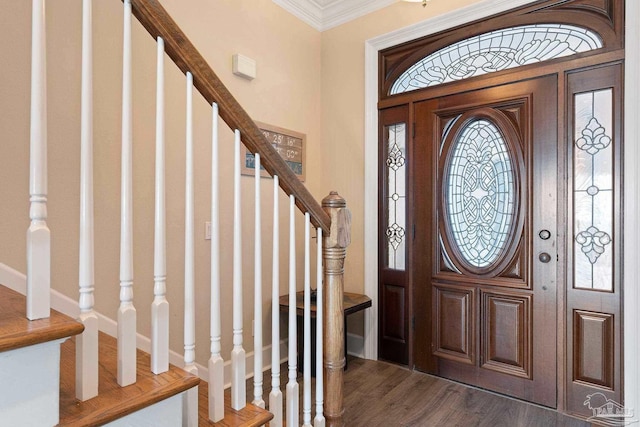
(485, 254)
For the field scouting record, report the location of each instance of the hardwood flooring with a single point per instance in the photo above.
(383, 394)
(380, 394)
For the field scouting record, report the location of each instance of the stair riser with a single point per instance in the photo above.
(29, 385)
(167, 413)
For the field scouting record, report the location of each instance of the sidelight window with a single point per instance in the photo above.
(396, 156)
(593, 190)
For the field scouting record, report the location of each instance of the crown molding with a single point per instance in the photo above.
(323, 17)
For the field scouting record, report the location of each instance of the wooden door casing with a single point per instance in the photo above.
(493, 327)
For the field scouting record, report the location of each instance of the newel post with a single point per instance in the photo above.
(335, 250)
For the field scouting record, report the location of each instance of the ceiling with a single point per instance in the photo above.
(325, 14)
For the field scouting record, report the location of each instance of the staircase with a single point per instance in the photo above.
(75, 368)
(39, 341)
(30, 362)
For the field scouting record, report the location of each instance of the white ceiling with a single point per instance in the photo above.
(325, 14)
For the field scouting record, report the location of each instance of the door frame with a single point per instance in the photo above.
(631, 191)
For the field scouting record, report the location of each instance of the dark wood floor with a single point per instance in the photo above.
(380, 394)
(383, 394)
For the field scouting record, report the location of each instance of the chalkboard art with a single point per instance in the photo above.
(289, 144)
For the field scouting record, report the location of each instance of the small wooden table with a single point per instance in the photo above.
(352, 303)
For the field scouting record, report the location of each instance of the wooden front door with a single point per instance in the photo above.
(485, 248)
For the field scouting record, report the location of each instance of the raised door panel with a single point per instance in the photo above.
(593, 344)
(454, 324)
(506, 333)
(393, 314)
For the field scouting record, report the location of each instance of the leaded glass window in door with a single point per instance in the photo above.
(593, 190)
(396, 192)
(480, 193)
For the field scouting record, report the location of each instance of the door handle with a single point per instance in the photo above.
(544, 257)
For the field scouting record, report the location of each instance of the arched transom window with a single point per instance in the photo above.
(495, 51)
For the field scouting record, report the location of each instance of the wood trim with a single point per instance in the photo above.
(603, 17)
(520, 73)
(16, 331)
(334, 252)
(155, 19)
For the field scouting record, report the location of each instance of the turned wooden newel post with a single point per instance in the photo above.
(335, 250)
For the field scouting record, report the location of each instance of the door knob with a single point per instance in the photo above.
(544, 234)
(544, 257)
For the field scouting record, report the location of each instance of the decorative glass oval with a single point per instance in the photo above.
(496, 51)
(480, 193)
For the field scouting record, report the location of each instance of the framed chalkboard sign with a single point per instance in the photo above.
(289, 144)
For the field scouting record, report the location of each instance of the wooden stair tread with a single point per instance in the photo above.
(249, 416)
(16, 331)
(113, 401)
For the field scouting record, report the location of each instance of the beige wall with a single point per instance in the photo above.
(307, 81)
(343, 113)
(286, 93)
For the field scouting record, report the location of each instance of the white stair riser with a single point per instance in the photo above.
(30, 385)
(166, 413)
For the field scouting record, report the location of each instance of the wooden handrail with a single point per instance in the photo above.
(158, 23)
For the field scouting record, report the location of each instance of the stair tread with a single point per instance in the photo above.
(113, 401)
(249, 416)
(16, 331)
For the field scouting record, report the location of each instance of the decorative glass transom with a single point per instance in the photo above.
(480, 193)
(496, 51)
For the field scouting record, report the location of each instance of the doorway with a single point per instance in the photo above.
(483, 312)
(486, 203)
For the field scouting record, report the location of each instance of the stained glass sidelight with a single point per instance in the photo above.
(480, 193)
(396, 196)
(496, 51)
(593, 190)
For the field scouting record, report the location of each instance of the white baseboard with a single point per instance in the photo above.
(13, 279)
(17, 281)
(355, 345)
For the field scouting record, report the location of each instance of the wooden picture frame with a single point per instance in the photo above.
(289, 144)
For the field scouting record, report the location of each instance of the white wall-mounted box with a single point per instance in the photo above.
(244, 67)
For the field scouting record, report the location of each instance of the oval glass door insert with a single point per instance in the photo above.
(480, 193)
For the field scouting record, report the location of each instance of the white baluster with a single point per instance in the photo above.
(87, 342)
(216, 363)
(257, 306)
(190, 398)
(126, 311)
(238, 358)
(319, 420)
(160, 305)
(38, 235)
(292, 385)
(275, 397)
(306, 370)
